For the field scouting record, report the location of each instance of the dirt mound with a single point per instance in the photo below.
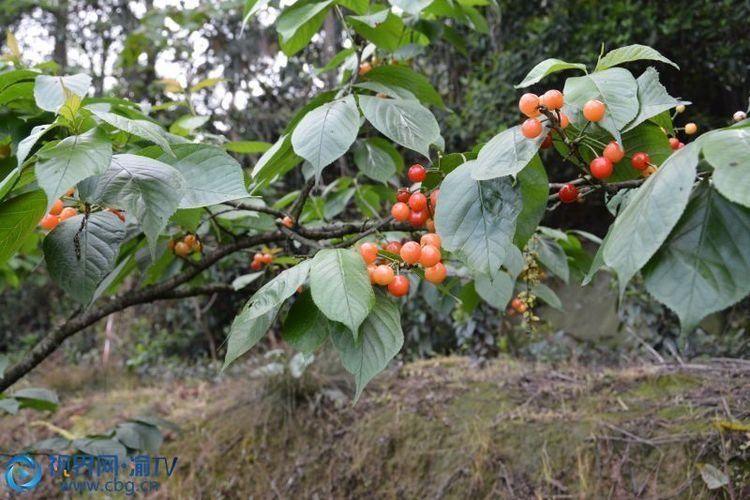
(446, 428)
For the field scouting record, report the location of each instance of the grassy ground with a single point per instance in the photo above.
(442, 428)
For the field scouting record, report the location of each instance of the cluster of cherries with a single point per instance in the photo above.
(260, 260)
(414, 206)
(426, 254)
(594, 110)
(185, 246)
(58, 213)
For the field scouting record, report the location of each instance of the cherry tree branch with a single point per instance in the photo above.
(170, 289)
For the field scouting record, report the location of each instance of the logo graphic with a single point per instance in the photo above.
(23, 473)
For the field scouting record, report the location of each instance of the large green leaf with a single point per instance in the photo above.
(306, 327)
(49, 91)
(80, 256)
(405, 77)
(376, 158)
(552, 256)
(380, 339)
(652, 98)
(26, 145)
(71, 160)
(652, 212)
(630, 53)
(341, 287)
(506, 154)
(244, 334)
(248, 147)
(382, 28)
(297, 24)
(275, 162)
(260, 311)
(615, 87)
(146, 188)
(211, 175)
(547, 295)
(327, 132)
(403, 121)
(704, 265)
(729, 152)
(139, 128)
(534, 192)
(477, 219)
(496, 290)
(139, 436)
(18, 218)
(547, 67)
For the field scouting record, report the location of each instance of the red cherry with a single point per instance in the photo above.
(434, 200)
(256, 265)
(67, 213)
(399, 286)
(403, 195)
(531, 128)
(601, 168)
(416, 173)
(287, 221)
(418, 201)
(681, 145)
(400, 211)
(674, 143)
(49, 222)
(382, 275)
(528, 104)
(613, 152)
(553, 99)
(369, 252)
(430, 256)
(640, 161)
(411, 252)
(430, 239)
(57, 207)
(568, 193)
(436, 274)
(564, 120)
(393, 247)
(593, 110)
(547, 142)
(418, 218)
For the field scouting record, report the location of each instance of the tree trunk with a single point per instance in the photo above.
(60, 53)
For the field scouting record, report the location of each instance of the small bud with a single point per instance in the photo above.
(680, 108)
(738, 116)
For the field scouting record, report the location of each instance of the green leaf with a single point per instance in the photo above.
(26, 145)
(336, 60)
(413, 7)
(552, 257)
(70, 161)
(78, 268)
(375, 159)
(547, 295)
(244, 334)
(653, 98)
(49, 91)
(729, 153)
(248, 147)
(341, 287)
(8, 182)
(327, 132)
(211, 175)
(275, 162)
(405, 77)
(506, 154)
(9, 405)
(275, 292)
(534, 192)
(380, 339)
(630, 53)
(547, 67)
(146, 188)
(713, 478)
(187, 124)
(138, 436)
(704, 265)
(643, 226)
(297, 24)
(405, 122)
(615, 87)
(139, 128)
(37, 398)
(18, 218)
(101, 447)
(496, 290)
(645, 137)
(306, 327)
(477, 219)
(382, 28)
